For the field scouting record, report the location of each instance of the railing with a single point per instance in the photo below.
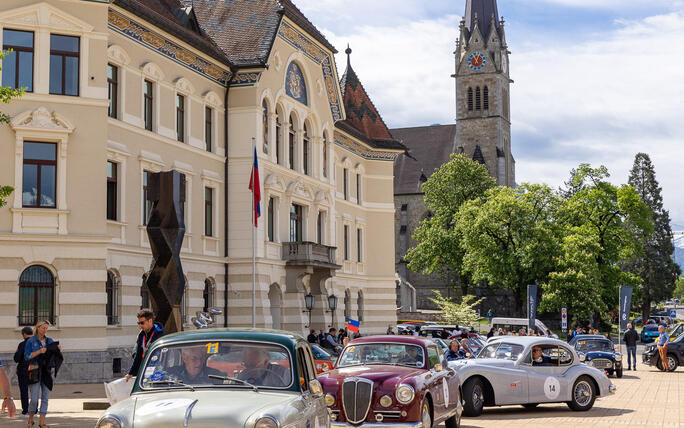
(308, 253)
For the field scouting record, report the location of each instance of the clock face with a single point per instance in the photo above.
(477, 61)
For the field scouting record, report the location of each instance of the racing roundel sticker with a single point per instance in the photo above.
(551, 388)
(445, 387)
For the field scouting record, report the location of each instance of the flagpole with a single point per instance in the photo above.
(253, 237)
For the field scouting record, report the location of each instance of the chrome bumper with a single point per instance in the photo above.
(612, 389)
(378, 425)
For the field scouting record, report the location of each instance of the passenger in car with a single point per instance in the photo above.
(412, 356)
(538, 357)
(260, 372)
(194, 370)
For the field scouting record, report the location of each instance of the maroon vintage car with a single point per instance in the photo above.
(392, 382)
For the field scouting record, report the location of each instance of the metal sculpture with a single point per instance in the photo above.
(165, 231)
(205, 319)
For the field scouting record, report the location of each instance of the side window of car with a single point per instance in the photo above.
(564, 356)
(310, 362)
(302, 368)
(433, 356)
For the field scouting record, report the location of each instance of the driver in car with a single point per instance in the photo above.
(412, 356)
(538, 358)
(260, 372)
(194, 370)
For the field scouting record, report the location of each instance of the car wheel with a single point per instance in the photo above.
(530, 405)
(473, 392)
(671, 361)
(425, 416)
(583, 394)
(618, 372)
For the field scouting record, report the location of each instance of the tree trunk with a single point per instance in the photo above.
(645, 309)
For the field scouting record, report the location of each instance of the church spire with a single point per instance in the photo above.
(481, 12)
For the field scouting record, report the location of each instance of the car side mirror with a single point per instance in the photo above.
(316, 388)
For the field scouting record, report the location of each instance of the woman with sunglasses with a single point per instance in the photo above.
(37, 352)
(149, 332)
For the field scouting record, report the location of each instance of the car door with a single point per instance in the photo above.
(317, 415)
(549, 383)
(436, 381)
(508, 379)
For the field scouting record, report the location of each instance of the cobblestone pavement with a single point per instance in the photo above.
(645, 398)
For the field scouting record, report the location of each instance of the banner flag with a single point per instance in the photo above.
(353, 325)
(531, 306)
(625, 305)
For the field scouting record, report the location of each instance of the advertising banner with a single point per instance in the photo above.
(625, 305)
(564, 319)
(531, 305)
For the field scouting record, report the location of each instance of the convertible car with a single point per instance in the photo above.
(598, 351)
(392, 381)
(193, 379)
(529, 371)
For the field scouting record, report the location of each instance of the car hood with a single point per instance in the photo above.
(379, 374)
(495, 362)
(213, 409)
(599, 354)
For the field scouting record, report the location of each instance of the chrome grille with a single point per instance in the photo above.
(602, 363)
(357, 394)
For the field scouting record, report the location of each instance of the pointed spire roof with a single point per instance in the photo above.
(361, 112)
(482, 12)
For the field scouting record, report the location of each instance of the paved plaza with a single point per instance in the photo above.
(645, 398)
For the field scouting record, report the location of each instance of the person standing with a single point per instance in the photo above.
(34, 354)
(321, 338)
(331, 343)
(22, 369)
(7, 399)
(490, 315)
(663, 340)
(149, 332)
(312, 338)
(631, 338)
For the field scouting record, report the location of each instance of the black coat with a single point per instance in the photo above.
(51, 359)
(631, 337)
(22, 364)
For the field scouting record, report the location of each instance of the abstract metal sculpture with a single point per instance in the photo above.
(165, 231)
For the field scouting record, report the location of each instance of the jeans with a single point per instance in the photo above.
(631, 356)
(34, 390)
(22, 380)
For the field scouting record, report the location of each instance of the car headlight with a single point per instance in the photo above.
(618, 357)
(582, 357)
(329, 400)
(386, 401)
(405, 394)
(267, 422)
(110, 421)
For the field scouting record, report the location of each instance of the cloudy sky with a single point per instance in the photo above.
(595, 80)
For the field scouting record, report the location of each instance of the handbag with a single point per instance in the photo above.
(33, 376)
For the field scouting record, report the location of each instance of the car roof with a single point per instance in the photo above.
(526, 340)
(589, 337)
(284, 338)
(412, 340)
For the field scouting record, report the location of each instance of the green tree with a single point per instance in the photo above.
(510, 237)
(462, 313)
(678, 292)
(439, 248)
(5, 191)
(657, 268)
(6, 95)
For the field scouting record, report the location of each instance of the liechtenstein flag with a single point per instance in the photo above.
(353, 325)
(255, 187)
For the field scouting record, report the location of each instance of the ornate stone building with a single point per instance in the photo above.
(117, 89)
(482, 131)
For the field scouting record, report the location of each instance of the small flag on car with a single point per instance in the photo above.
(353, 325)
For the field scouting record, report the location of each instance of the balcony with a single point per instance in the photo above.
(309, 254)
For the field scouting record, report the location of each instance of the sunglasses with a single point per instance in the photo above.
(141, 322)
(536, 350)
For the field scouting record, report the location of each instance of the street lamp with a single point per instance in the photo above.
(332, 304)
(309, 303)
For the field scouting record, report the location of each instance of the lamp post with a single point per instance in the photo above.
(332, 304)
(309, 303)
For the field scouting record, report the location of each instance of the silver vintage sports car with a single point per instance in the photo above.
(529, 371)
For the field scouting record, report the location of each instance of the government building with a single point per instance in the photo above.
(117, 90)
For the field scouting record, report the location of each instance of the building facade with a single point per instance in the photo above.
(118, 90)
(482, 131)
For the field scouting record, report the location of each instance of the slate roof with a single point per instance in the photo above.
(483, 9)
(428, 148)
(245, 29)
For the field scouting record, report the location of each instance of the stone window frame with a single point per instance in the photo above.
(185, 89)
(211, 100)
(119, 154)
(211, 180)
(151, 72)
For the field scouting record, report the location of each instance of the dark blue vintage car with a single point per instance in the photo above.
(598, 351)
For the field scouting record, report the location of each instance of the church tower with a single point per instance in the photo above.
(483, 123)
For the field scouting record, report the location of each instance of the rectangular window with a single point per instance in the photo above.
(111, 190)
(305, 156)
(358, 189)
(113, 90)
(278, 141)
(147, 205)
(345, 180)
(292, 149)
(359, 245)
(295, 223)
(271, 220)
(17, 67)
(208, 211)
(39, 175)
(148, 98)
(346, 242)
(64, 65)
(319, 228)
(325, 159)
(180, 117)
(208, 126)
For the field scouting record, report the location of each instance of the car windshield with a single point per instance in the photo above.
(502, 351)
(218, 364)
(320, 354)
(474, 345)
(651, 328)
(382, 353)
(594, 345)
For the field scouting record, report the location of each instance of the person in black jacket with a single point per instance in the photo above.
(149, 332)
(631, 338)
(22, 369)
(312, 338)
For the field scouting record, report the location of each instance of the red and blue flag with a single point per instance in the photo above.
(255, 187)
(353, 325)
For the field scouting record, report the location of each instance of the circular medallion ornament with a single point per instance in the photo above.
(477, 61)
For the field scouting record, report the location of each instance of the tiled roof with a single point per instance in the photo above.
(429, 147)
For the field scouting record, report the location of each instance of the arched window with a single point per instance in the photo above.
(145, 293)
(325, 154)
(478, 99)
(486, 98)
(208, 295)
(359, 306)
(264, 114)
(36, 295)
(279, 136)
(291, 144)
(470, 99)
(112, 308)
(305, 149)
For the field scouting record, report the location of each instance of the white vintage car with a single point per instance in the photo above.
(529, 371)
(224, 378)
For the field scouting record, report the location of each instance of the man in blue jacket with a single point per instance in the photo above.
(22, 369)
(149, 332)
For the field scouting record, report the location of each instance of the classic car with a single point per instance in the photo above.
(392, 381)
(675, 354)
(650, 333)
(506, 373)
(515, 324)
(189, 379)
(323, 359)
(675, 331)
(598, 351)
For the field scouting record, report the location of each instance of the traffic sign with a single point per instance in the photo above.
(673, 313)
(564, 319)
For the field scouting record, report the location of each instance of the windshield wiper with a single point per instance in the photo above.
(234, 379)
(170, 382)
